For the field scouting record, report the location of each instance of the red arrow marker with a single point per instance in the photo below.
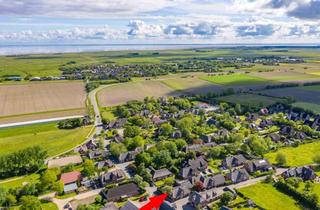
(154, 203)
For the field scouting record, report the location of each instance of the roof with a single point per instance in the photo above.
(70, 187)
(110, 206)
(235, 160)
(60, 162)
(70, 177)
(161, 173)
(129, 206)
(122, 190)
(85, 201)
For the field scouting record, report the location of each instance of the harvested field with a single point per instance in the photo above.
(300, 94)
(122, 93)
(191, 84)
(250, 100)
(41, 97)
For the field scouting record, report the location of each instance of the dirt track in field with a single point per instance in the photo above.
(122, 93)
(41, 97)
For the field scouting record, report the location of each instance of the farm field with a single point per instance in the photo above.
(308, 106)
(190, 84)
(120, 94)
(250, 100)
(298, 93)
(46, 135)
(41, 97)
(285, 75)
(276, 200)
(312, 88)
(234, 79)
(297, 156)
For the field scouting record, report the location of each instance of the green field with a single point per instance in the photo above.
(250, 100)
(18, 181)
(312, 88)
(308, 106)
(234, 79)
(269, 198)
(47, 135)
(48, 206)
(297, 156)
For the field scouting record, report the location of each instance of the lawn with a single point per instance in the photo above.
(269, 198)
(308, 106)
(48, 205)
(18, 181)
(234, 79)
(107, 113)
(250, 100)
(47, 135)
(297, 156)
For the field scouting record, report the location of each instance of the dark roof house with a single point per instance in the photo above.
(233, 161)
(238, 175)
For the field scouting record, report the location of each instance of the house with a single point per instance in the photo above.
(258, 165)
(104, 163)
(122, 191)
(252, 117)
(70, 181)
(266, 123)
(130, 206)
(193, 168)
(274, 137)
(85, 201)
(97, 154)
(238, 175)
(160, 174)
(61, 162)
(112, 177)
(129, 156)
(233, 161)
(209, 182)
(118, 138)
(180, 192)
(197, 199)
(166, 205)
(110, 206)
(264, 111)
(116, 124)
(176, 134)
(304, 172)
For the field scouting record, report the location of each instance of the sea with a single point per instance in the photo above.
(9, 50)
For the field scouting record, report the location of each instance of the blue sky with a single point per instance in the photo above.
(159, 21)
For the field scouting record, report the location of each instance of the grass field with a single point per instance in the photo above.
(41, 97)
(48, 206)
(120, 94)
(190, 84)
(46, 135)
(250, 100)
(312, 88)
(297, 156)
(308, 106)
(269, 198)
(107, 113)
(234, 79)
(285, 75)
(18, 181)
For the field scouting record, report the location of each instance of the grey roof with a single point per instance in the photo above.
(70, 187)
(160, 173)
(110, 206)
(129, 206)
(234, 161)
(258, 165)
(123, 190)
(112, 177)
(303, 172)
(238, 175)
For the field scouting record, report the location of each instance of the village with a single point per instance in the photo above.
(194, 152)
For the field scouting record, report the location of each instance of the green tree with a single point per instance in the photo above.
(166, 129)
(162, 158)
(144, 158)
(131, 131)
(11, 200)
(3, 194)
(88, 168)
(226, 198)
(30, 203)
(281, 159)
(58, 187)
(48, 178)
(117, 149)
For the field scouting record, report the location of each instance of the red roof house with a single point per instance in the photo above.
(70, 177)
